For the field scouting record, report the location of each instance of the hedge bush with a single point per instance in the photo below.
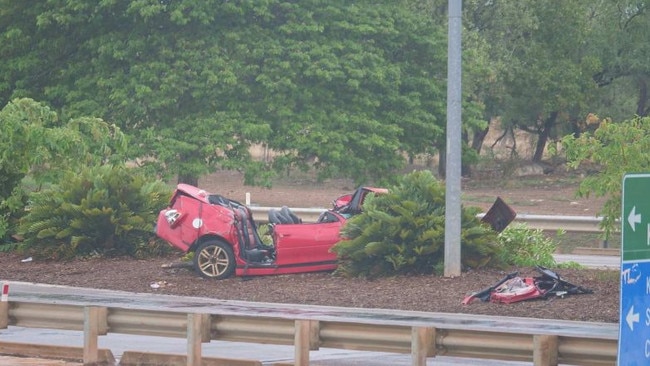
(104, 210)
(404, 232)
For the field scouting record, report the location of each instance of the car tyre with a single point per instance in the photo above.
(214, 259)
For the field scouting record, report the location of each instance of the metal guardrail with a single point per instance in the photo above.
(590, 224)
(595, 347)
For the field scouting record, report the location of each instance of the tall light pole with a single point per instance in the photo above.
(453, 153)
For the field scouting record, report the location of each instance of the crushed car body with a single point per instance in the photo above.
(513, 288)
(224, 237)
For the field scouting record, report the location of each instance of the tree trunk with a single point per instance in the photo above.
(543, 137)
(641, 109)
(188, 179)
(465, 170)
(442, 162)
(479, 137)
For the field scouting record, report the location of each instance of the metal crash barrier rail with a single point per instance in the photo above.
(589, 224)
(595, 347)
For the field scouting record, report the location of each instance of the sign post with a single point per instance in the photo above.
(634, 321)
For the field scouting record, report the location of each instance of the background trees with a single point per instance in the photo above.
(347, 89)
(344, 88)
(619, 29)
(542, 61)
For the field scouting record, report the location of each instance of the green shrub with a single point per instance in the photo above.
(612, 150)
(36, 148)
(526, 247)
(12, 208)
(403, 232)
(105, 210)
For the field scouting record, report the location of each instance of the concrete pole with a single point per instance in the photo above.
(453, 168)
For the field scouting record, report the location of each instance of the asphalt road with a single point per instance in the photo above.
(267, 354)
(592, 261)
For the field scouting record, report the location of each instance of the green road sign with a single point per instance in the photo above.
(636, 217)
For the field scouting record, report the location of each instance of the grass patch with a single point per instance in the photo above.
(477, 199)
(607, 276)
(569, 241)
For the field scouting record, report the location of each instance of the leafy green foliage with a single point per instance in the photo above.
(526, 247)
(550, 80)
(544, 66)
(104, 210)
(620, 31)
(23, 132)
(345, 87)
(614, 149)
(34, 143)
(403, 232)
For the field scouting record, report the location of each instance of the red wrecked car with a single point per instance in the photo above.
(224, 238)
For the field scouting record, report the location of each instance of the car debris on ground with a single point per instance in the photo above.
(513, 288)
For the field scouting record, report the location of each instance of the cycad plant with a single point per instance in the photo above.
(103, 210)
(404, 232)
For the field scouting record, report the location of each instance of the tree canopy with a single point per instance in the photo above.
(347, 88)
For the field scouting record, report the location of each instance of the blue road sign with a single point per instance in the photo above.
(634, 329)
(634, 321)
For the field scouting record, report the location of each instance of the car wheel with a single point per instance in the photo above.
(214, 259)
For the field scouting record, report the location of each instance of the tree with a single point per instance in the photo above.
(620, 33)
(492, 40)
(347, 88)
(34, 143)
(540, 73)
(614, 149)
(22, 69)
(478, 75)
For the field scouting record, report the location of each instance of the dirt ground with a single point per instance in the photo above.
(550, 195)
(543, 195)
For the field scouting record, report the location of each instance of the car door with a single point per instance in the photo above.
(300, 244)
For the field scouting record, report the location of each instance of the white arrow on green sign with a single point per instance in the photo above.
(636, 219)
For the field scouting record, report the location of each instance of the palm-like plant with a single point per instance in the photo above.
(101, 210)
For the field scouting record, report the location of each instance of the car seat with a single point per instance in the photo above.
(283, 216)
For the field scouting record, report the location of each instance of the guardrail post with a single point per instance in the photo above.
(4, 314)
(198, 331)
(4, 306)
(545, 349)
(95, 324)
(306, 338)
(423, 345)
